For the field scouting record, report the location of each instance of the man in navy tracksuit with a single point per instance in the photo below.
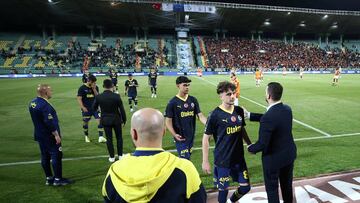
(47, 134)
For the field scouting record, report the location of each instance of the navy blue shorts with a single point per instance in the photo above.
(132, 96)
(87, 115)
(184, 149)
(222, 176)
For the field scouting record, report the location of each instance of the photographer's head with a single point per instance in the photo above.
(273, 92)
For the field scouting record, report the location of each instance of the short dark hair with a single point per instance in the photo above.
(182, 79)
(275, 90)
(108, 84)
(92, 78)
(225, 86)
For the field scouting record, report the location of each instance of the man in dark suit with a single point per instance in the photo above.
(112, 116)
(276, 144)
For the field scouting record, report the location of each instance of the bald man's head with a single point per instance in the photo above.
(148, 125)
(44, 90)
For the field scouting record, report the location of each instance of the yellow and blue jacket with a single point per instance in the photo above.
(153, 175)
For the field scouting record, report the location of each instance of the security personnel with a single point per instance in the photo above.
(112, 116)
(47, 134)
(151, 174)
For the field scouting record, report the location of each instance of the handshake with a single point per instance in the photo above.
(248, 148)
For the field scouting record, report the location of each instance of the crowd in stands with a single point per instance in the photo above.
(119, 55)
(273, 55)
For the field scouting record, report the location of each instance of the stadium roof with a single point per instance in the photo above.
(244, 16)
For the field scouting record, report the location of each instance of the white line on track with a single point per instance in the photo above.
(171, 150)
(295, 120)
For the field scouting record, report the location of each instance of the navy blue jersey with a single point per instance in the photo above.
(113, 75)
(183, 113)
(87, 95)
(44, 118)
(227, 129)
(132, 86)
(152, 78)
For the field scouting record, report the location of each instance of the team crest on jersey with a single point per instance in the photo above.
(186, 105)
(233, 119)
(33, 105)
(192, 105)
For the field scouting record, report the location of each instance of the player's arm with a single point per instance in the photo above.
(95, 89)
(246, 137)
(206, 167)
(79, 99)
(202, 118)
(169, 126)
(126, 87)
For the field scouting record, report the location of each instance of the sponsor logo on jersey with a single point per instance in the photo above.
(186, 113)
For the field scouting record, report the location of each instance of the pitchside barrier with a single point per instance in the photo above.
(170, 74)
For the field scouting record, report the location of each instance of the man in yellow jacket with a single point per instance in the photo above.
(150, 174)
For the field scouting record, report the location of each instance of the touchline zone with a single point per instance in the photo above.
(295, 120)
(171, 150)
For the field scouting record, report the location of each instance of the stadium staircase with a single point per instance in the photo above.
(185, 58)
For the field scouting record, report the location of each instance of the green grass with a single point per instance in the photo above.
(334, 110)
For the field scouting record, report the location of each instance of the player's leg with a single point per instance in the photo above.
(96, 115)
(135, 101)
(130, 103)
(86, 116)
(152, 91)
(155, 90)
(222, 181)
(240, 174)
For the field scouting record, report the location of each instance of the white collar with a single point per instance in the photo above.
(267, 109)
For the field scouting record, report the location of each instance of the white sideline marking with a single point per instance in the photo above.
(171, 150)
(295, 120)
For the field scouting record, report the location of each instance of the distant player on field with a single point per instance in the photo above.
(131, 91)
(180, 114)
(301, 72)
(336, 77)
(113, 76)
(152, 80)
(257, 78)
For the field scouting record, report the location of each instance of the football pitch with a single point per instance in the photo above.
(326, 128)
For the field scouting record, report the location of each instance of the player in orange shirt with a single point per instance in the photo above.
(199, 72)
(336, 77)
(236, 82)
(257, 78)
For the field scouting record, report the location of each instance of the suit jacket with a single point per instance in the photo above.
(275, 137)
(112, 108)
